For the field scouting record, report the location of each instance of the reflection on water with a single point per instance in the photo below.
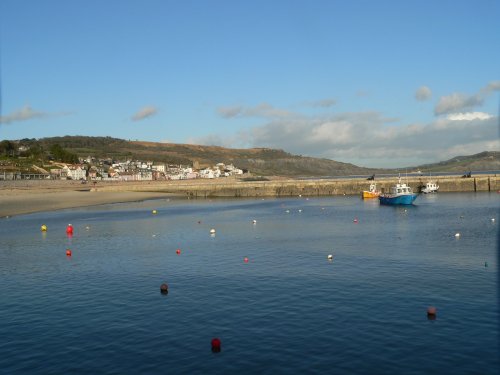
(288, 309)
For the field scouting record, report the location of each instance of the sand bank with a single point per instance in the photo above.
(17, 202)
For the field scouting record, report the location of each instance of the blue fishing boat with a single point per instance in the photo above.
(400, 194)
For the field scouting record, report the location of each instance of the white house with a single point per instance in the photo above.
(160, 168)
(75, 172)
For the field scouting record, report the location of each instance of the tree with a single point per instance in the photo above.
(7, 148)
(60, 154)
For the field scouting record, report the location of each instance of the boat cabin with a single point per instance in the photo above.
(401, 189)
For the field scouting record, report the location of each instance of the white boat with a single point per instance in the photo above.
(430, 187)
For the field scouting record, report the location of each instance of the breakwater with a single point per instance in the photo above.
(285, 187)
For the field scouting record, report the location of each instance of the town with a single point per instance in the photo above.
(92, 169)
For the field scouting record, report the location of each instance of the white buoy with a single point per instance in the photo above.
(300, 210)
(330, 257)
(300, 195)
(212, 231)
(287, 211)
(255, 221)
(457, 235)
(492, 219)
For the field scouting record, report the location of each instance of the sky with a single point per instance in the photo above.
(373, 83)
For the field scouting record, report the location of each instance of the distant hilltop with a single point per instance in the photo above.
(259, 161)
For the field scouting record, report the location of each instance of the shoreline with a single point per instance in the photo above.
(28, 202)
(25, 197)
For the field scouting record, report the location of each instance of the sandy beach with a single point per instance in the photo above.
(19, 200)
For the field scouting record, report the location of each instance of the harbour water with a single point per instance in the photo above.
(288, 310)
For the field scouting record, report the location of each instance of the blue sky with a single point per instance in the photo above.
(374, 83)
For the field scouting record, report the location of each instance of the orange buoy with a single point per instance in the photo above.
(68, 252)
(164, 288)
(216, 345)
(69, 229)
(178, 251)
(245, 259)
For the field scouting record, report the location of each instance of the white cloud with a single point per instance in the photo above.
(27, 113)
(423, 93)
(369, 138)
(145, 113)
(468, 116)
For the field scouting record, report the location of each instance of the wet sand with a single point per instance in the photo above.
(17, 202)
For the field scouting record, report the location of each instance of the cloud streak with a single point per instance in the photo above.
(27, 113)
(324, 103)
(144, 113)
(262, 110)
(459, 102)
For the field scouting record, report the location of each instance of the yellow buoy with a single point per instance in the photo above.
(154, 212)
(43, 228)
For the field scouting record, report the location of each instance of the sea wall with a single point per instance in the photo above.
(282, 188)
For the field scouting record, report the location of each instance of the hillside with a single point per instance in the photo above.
(259, 161)
(484, 161)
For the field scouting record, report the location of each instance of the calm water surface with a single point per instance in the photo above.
(287, 311)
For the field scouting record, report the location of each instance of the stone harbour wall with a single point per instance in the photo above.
(318, 187)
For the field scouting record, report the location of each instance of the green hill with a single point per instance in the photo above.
(484, 161)
(259, 161)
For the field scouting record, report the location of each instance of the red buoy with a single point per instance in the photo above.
(68, 252)
(69, 229)
(216, 345)
(178, 251)
(245, 259)
(164, 288)
(355, 220)
(431, 313)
